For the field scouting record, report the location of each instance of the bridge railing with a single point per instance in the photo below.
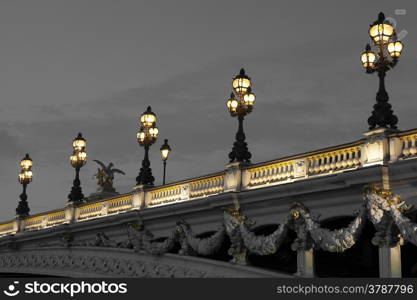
(408, 144)
(186, 190)
(378, 147)
(324, 162)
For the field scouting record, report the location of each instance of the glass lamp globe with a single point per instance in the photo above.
(25, 176)
(165, 149)
(141, 136)
(249, 98)
(82, 157)
(232, 103)
(26, 163)
(368, 58)
(148, 118)
(241, 82)
(79, 143)
(381, 30)
(153, 131)
(395, 48)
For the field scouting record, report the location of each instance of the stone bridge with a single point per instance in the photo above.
(312, 214)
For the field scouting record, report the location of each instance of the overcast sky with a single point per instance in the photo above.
(94, 66)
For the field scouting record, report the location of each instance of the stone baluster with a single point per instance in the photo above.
(413, 149)
(406, 149)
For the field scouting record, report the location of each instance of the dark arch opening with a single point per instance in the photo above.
(409, 253)
(359, 261)
(284, 260)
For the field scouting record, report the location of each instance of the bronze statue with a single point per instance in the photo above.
(105, 177)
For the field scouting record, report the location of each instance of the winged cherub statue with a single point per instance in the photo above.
(105, 176)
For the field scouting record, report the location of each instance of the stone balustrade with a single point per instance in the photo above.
(7, 228)
(206, 186)
(55, 218)
(165, 195)
(203, 187)
(331, 161)
(409, 145)
(33, 223)
(378, 147)
(120, 204)
(271, 173)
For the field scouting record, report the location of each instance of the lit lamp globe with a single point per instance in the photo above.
(165, 149)
(395, 48)
(368, 58)
(78, 159)
(148, 118)
(249, 98)
(232, 104)
(241, 82)
(79, 143)
(26, 163)
(153, 132)
(381, 30)
(25, 176)
(141, 137)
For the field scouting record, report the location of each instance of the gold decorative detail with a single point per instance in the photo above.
(271, 173)
(120, 204)
(165, 195)
(389, 197)
(90, 210)
(409, 147)
(6, 228)
(207, 186)
(295, 214)
(334, 160)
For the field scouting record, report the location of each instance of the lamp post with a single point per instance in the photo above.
(77, 160)
(25, 177)
(146, 137)
(165, 149)
(240, 104)
(389, 50)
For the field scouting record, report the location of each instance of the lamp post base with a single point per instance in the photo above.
(22, 209)
(76, 195)
(240, 152)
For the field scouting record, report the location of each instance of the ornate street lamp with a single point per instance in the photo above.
(165, 149)
(146, 137)
(77, 160)
(389, 50)
(240, 104)
(25, 177)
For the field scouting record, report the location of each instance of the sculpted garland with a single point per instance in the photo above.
(381, 207)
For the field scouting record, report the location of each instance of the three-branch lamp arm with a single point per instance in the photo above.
(389, 50)
(240, 104)
(146, 136)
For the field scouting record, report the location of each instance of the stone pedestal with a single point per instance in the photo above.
(233, 177)
(17, 224)
(70, 216)
(390, 261)
(305, 263)
(376, 149)
(139, 196)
